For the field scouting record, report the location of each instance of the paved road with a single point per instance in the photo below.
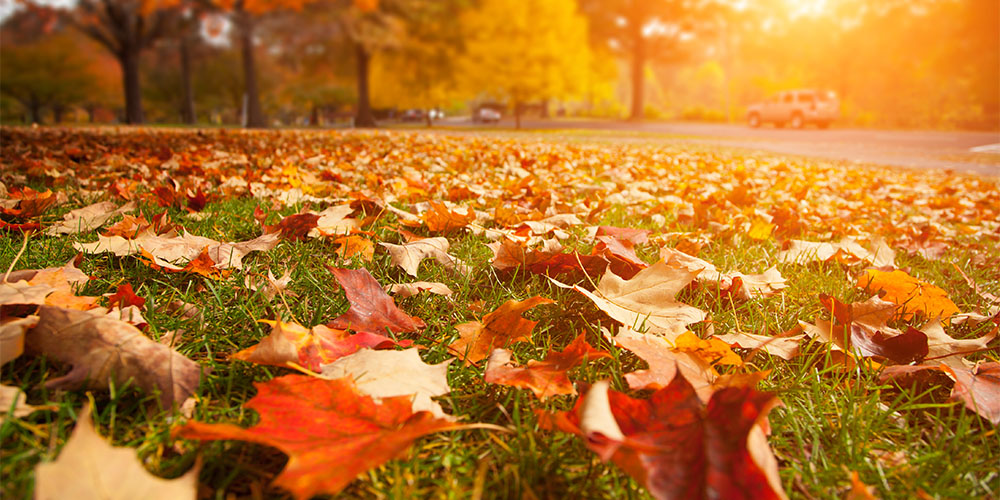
(915, 149)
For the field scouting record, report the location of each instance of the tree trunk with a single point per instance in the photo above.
(187, 106)
(35, 111)
(517, 115)
(128, 58)
(544, 112)
(638, 72)
(364, 116)
(57, 113)
(254, 113)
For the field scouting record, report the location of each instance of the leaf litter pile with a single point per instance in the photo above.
(532, 316)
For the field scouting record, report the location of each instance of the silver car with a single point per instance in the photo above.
(797, 108)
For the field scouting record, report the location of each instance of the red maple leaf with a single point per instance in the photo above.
(676, 446)
(125, 297)
(372, 310)
(330, 432)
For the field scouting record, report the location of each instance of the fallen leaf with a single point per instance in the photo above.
(859, 490)
(846, 251)
(88, 218)
(785, 347)
(372, 310)
(31, 203)
(504, 326)
(677, 447)
(335, 221)
(711, 350)
(89, 467)
(330, 431)
(648, 299)
(355, 246)
(102, 349)
(742, 286)
(911, 294)
(945, 349)
(174, 253)
(12, 330)
(310, 347)
(664, 363)
(125, 297)
(404, 290)
(979, 389)
(544, 378)
(409, 255)
(13, 405)
(439, 218)
(385, 374)
(861, 328)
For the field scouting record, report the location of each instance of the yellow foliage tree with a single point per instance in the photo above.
(525, 50)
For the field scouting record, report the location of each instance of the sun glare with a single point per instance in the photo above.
(811, 8)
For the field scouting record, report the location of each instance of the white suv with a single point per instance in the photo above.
(797, 108)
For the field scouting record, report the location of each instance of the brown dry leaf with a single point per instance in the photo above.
(386, 374)
(409, 255)
(61, 278)
(404, 290)
(846, 251)
(88, 218)
(102, 349)
(979, 389)
(477, 339)
(860, 328)
(648, 299)
(911, 294)
(272, 286)
(90, 468)
(23, 292)
(372, 310)
(785, 347)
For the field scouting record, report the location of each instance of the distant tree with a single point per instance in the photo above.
(525, 50)
(125, 28)
(50, 73)
(645, 30)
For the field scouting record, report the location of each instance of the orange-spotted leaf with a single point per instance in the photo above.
(712, 350)
(439, 218)
(372, 310)
(330, 432)
(310, 347)
(497, 329)
(912, 294)
(355, 245)
(544, 378)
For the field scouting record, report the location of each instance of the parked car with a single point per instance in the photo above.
(412, 115)
(797, 108)
(486, 115)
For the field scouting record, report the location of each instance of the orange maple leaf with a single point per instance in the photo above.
(439, 218)
(330, 432)
(913, 295)
(544, 378)
(497, 329)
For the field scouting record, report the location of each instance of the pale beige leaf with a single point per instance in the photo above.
(663, 363)
(749, 285)
(409, 255)
(383, 374)
(596, 415)
(12, 332)
(22, 292)
(334, 221)
(404, 290)
(943, 348)
(12, 403)
(88, 218)
(90, 468)
(647, 300)
(783, 347)
(173, 252)
(846, 251)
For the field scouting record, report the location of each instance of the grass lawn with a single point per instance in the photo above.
(736, 210)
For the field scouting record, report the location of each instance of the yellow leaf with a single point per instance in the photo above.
(913, 295)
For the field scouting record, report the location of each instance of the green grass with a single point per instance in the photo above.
(832, 421)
